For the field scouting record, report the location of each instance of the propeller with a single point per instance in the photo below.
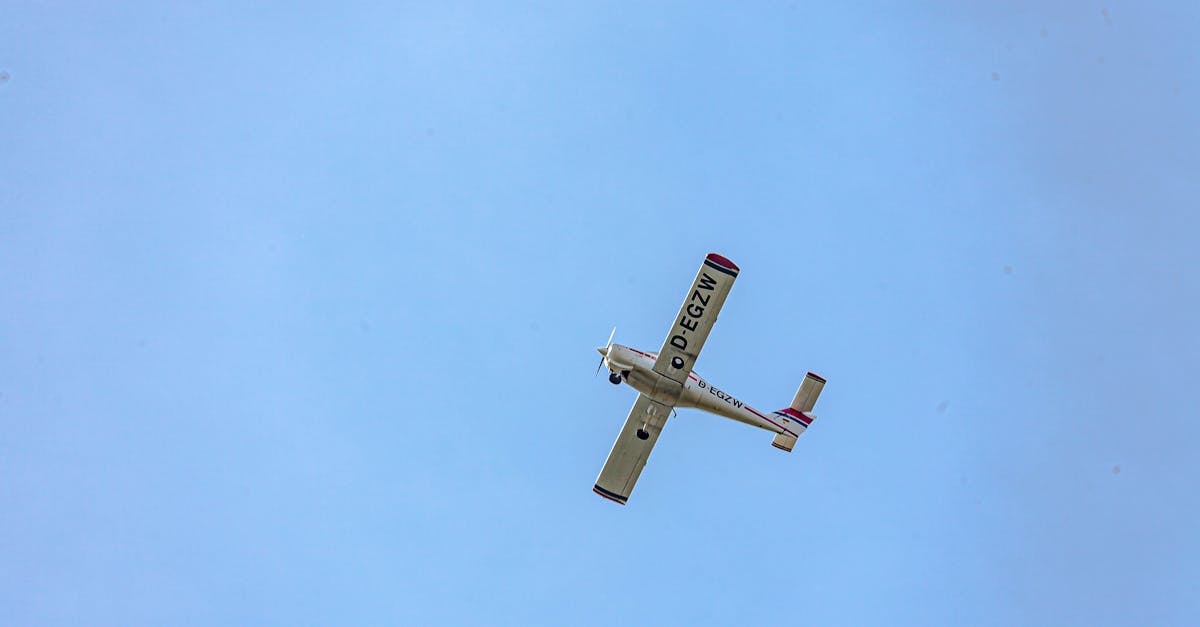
(604, 351)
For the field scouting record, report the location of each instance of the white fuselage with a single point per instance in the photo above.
(637, 368)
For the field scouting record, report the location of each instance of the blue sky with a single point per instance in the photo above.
(298, 308)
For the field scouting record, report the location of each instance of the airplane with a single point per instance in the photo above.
(665, 380)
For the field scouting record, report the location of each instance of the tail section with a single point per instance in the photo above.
(797, 417)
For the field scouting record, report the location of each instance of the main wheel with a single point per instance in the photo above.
(614, 379)
(642, 434)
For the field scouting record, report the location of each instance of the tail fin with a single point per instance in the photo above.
(796, 417)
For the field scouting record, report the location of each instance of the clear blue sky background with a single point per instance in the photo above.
(298, 308)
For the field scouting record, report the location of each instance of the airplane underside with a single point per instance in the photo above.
(665, 381)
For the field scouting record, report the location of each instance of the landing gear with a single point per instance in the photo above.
(642, 434)
(614, 379)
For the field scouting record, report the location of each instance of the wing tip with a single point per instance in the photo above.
(813, 375)
(612, 496)
(723, 261)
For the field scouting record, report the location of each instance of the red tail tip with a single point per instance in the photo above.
(722, 261)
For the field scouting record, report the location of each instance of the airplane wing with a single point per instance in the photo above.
(629, 453)
(696, 318)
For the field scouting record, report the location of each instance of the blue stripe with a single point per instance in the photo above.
(791, 419)
(612, 495)
(719, 268)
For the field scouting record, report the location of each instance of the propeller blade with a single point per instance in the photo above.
(604, 354)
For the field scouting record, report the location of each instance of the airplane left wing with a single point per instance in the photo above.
(696, 317)
(629, 453)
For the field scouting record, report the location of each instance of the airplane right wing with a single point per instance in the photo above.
(629, 452)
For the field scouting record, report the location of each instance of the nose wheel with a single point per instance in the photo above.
(614, 379)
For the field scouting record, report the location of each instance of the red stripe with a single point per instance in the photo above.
(788, 411)
(751, 410)
(722, 261)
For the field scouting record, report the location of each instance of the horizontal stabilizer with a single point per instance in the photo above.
(806, 396)
(784, 442)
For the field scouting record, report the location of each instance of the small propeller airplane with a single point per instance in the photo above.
(665, 381)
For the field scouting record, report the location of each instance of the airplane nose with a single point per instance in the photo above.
(603, 350)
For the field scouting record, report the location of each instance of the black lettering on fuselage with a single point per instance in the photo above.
(725, 397)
